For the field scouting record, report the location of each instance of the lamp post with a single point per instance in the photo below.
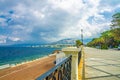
(82, 35)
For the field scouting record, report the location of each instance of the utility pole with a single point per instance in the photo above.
(82, 35)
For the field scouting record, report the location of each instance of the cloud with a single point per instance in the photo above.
(2, 41)
(51, 20)
(3, 22)
(67, 5)
(14, 38)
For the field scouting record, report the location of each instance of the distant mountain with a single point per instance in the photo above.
(65, 41)
(70, 41)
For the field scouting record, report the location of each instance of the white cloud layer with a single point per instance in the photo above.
(51, 20)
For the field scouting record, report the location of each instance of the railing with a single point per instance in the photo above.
(62, 71)
(71, 68)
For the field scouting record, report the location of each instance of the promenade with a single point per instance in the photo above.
(102, 64)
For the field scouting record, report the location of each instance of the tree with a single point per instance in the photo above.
(116, 27)
(116, 34)
(78, 43)
(110, 38)
(115, 21)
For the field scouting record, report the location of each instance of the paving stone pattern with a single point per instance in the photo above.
(102, 64)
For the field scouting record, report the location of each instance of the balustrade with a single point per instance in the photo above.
(68, 68)
(62, 71)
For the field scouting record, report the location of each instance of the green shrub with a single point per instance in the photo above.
(78, 43)
(116, 46)
(104, 46)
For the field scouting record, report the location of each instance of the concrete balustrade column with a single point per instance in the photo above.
(74, 66)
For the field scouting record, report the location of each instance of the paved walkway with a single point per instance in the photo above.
(102, 64)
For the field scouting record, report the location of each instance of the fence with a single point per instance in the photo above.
(68, 68)
(62, 71)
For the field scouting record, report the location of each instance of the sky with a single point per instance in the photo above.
(46, 21)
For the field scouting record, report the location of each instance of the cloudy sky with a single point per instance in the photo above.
(41, 21)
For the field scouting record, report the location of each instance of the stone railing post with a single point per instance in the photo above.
(74, 66)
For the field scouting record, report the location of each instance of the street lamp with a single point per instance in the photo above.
(82, 35)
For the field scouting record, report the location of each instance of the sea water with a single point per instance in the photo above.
(16, 55)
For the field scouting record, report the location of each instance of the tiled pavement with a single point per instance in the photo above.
(102, 64)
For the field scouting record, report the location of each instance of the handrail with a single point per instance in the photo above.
(62, 71)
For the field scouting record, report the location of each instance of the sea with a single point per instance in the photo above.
(17, 55)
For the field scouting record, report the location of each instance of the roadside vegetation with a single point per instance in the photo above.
(110, 38)
(78, 43)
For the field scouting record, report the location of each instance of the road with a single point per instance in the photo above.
(102, 64)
